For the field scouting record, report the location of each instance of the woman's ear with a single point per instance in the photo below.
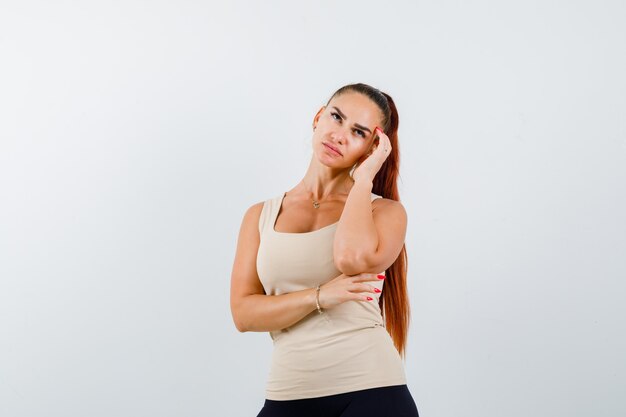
(318, 115)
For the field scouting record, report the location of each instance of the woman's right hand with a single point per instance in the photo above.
(348, 288)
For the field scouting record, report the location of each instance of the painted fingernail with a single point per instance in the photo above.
(379, 129)
(376, 290)
(380, 276)
(369, 298)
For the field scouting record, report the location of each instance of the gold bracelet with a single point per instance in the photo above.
(317, 299)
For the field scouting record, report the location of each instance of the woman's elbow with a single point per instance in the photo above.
(238, 319)
(240, 326)
(351, 263)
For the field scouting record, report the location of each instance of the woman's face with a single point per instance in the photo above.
(346, 124)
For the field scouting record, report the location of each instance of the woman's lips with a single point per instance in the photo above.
(335, 151)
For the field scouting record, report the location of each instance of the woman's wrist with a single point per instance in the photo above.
(311, 298)
(364, 182)
(317, 299)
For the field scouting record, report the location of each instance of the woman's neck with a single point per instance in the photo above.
(320, 188)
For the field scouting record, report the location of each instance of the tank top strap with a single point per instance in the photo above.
(269, 213)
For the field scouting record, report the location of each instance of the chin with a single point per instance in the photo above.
(324, 160)
(331, 162)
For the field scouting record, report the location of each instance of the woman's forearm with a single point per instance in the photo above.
(355, 236)
(264, 313)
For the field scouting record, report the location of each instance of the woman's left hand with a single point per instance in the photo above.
(369, 165)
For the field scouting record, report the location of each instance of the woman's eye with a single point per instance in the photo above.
(359, 131)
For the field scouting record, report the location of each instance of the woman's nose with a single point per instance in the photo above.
(339, 140)
(340, 135)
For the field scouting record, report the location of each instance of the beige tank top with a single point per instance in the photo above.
(346, 348)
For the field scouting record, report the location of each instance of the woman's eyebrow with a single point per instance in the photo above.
(356, 124)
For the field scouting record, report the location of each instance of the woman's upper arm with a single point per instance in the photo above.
(244, 278)
(390, 220)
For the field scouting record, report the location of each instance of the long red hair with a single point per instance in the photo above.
(394, 300)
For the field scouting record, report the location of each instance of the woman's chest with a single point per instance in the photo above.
(287, 263)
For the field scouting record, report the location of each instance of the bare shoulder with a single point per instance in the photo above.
(388, 207)
(249, 235)
(253, 213)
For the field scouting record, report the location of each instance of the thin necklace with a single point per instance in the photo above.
(316, 203)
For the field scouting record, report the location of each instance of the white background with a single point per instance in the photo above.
(135, 134)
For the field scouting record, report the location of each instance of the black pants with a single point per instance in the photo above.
(390, 401)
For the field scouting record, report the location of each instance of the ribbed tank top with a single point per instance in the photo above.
(346, 348)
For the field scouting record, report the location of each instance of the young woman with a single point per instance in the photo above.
(311, 264)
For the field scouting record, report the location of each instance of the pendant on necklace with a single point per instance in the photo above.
(316, 204)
